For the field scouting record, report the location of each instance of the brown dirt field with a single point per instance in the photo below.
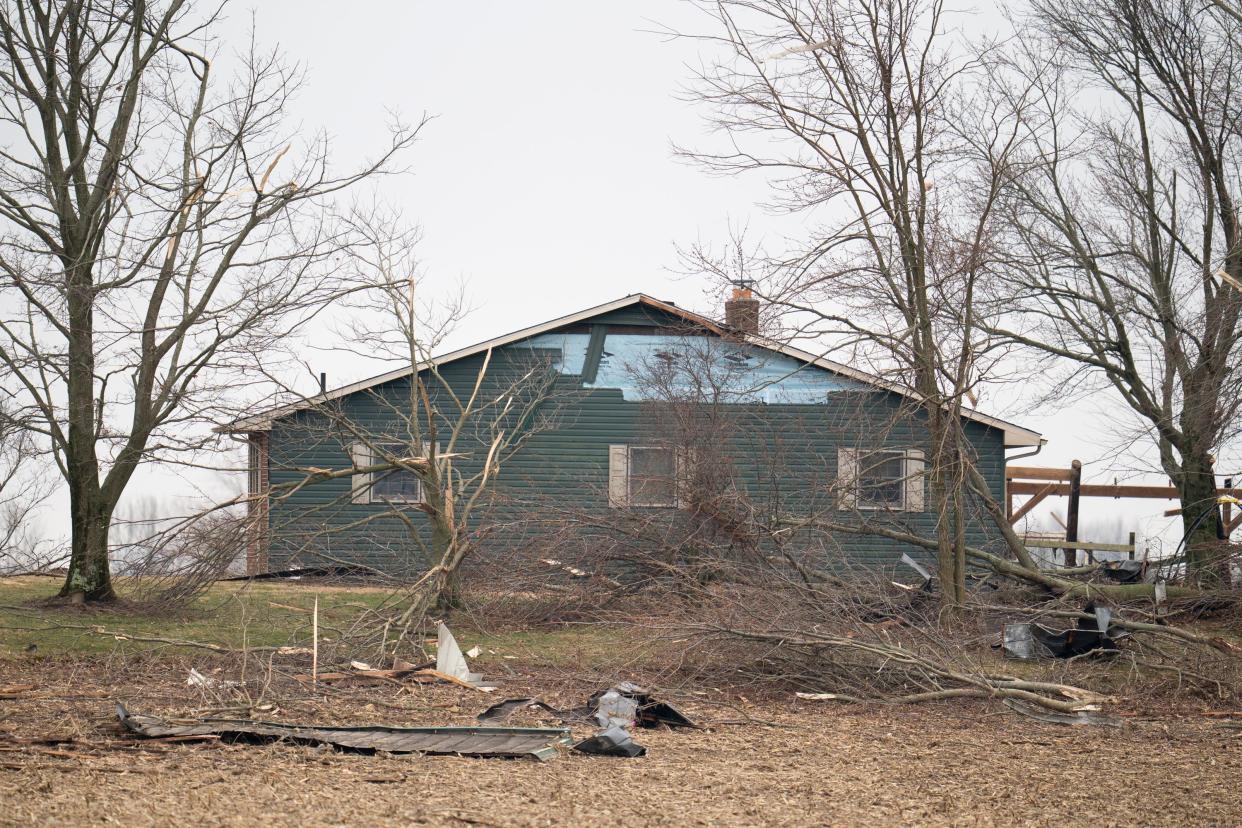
(792, 763)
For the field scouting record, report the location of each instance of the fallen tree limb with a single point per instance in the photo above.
(1059, 697)
(144, 639)
(1033, 575)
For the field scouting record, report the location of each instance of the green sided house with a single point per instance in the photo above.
(620, 409)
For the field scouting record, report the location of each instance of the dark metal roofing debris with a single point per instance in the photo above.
(1031, 640)
(614, 709)
(335, 571)
(612, 741)
(512, 742)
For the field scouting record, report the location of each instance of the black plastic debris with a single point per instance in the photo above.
(612, 741)
(1031, 640)
(1123, 572)
(510, 742)
(623, 703)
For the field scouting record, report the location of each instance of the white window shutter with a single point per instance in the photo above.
(847, 478)
(686, 460)
(360, 457)
(915, 480)
(618, 476)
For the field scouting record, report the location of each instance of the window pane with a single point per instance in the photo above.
(397, 485)
(653, 477)
(881, 479)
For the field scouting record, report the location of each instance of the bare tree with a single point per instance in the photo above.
(1123, 226)
(856, 113)
(160, 232)
(427, 456)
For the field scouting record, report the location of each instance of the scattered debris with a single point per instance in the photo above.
(1086, 716)
(572, 570)
(614, 710)
(15, 691)
(821, 697)
(197, 679)
(512, 742)
(625, 703)
(501, 711)
(341, 571)
(417, 673)
(451, 662)
(917, 567)
(1031, 640)
(1124, 572)
(649, 712)
(612, 741)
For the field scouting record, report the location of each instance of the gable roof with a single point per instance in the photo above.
(1015, 435)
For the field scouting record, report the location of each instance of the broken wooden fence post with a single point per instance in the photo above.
(1071, 519)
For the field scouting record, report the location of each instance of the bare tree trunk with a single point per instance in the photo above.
(90, 576)
(1196, 486)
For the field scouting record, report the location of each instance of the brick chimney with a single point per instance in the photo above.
(742, 310)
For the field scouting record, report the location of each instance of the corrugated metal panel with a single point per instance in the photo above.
(513, 742)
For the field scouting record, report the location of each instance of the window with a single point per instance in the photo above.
(396, 485)
(882, 480)
(390, 486)
(888, 480)
(642, 476)
(653, 476)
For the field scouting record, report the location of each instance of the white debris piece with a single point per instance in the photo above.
(197, 679)
(450, 659)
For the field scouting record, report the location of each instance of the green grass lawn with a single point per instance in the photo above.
(272, 614)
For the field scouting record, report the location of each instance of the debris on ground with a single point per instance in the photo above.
(415, 673)
(451, 661)
(197, 679)
(611, 741)
(1086, 716)
(614, 710)
(649, 712)
(511, 742)
(1031, 640)
(1124, 572)
(15, 691)
(335, 572)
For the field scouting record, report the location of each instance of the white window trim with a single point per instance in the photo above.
(363, 483)
(849, 495)
(619, 494)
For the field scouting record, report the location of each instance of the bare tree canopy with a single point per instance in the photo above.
(858, 113)
(159, 229)
(1124, 235)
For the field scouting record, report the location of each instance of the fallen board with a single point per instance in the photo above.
(512, 742)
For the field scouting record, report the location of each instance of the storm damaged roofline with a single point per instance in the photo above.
(1015, 435)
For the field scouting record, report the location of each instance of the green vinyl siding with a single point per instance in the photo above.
(562, 470)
